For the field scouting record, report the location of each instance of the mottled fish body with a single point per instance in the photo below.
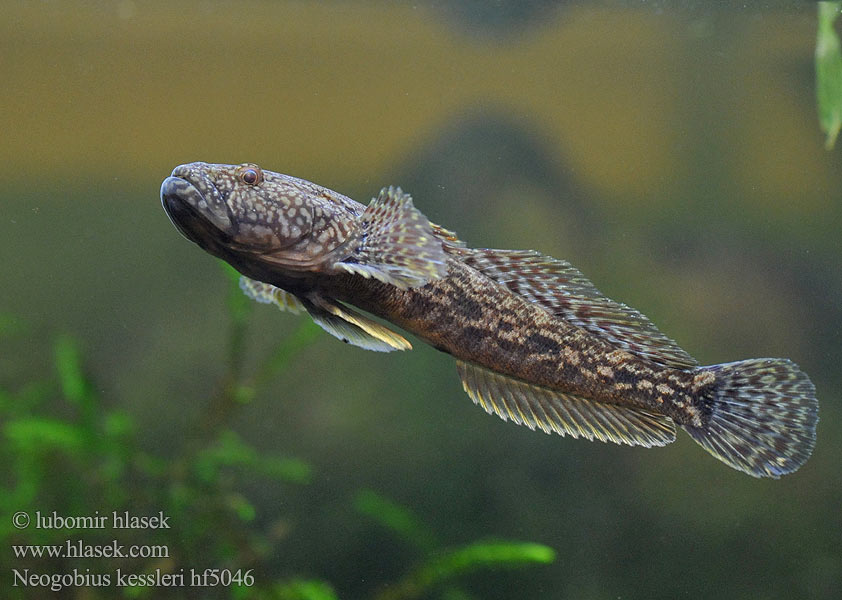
(535, 341)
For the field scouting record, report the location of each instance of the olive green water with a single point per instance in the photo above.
(672, 152)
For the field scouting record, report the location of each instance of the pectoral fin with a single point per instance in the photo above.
(394, 243)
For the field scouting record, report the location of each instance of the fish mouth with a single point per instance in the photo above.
(194, 205)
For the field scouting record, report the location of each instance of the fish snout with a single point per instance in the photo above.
(192, 185)
(193, 203)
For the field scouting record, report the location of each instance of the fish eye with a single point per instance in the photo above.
(251, 175)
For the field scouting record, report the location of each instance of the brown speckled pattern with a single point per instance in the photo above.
(535, 342)
(494, 328)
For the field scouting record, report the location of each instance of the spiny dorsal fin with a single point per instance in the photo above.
(548, 410)
(562, 290)
(447, 236)
(269, 294)
(394, 243)
(352, 327)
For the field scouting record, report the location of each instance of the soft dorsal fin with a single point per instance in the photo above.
(352, 327)
(548, 410)
(269, 294)
(395, 243)
(562, 290)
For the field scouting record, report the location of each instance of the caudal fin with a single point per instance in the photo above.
(761, 418)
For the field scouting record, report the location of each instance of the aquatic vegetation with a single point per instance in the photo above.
(69, 450)
(439, 564)
(438, 567)
(303, 589)
(829, 72)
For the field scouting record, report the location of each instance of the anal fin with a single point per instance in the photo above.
(565, 414)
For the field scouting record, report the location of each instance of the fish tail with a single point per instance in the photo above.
(759, 416)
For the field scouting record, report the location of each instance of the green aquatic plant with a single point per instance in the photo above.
(439, 565)
(67, 449)
(298, 589)
(399, 520)
(829, 72)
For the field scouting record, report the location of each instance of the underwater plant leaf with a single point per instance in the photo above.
(398, 519)
(78, 389)
(244, 509)
(479, 555)
(239, 309)
(228, 450)
(231, 450)
(829, 72)
(117, 451)
(292, 470)
(239, 306)
(35, 433)
(136, 591)
(305, 589)
(232, 273)
(74, 384)
(485, 555)
(118, 425)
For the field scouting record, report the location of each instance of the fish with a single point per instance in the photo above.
(534, 341)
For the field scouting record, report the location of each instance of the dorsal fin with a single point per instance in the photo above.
(395, 243)
(562, 290)
(447, 236)
(548, 410)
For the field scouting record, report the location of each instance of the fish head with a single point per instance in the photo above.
(226, 208)
(259, 221)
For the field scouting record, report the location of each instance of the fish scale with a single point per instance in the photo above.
(535, 341)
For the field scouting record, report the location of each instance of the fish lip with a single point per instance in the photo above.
(189, 197)
(173, 193)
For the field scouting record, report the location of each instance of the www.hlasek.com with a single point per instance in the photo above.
(78, 549)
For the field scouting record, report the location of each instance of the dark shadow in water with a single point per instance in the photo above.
(484, 159)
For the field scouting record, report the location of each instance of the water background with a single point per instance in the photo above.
(671, 151)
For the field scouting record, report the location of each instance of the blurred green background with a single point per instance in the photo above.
(671, 151)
